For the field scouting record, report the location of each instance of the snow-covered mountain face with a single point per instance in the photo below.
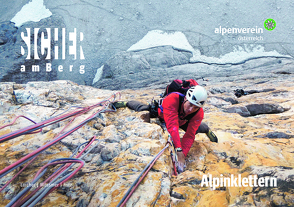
(217, 32)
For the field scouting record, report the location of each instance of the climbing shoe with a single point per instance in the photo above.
(119, 104)
(212, 136)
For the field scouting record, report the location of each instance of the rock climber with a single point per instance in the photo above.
(178, 111)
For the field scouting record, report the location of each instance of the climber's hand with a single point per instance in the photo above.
(181, 165)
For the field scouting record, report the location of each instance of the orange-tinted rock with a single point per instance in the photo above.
(259, 145)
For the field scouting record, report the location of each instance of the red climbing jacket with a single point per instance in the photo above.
(171, 116)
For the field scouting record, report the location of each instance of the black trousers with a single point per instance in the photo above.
(138, 106)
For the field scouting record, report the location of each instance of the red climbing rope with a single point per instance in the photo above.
(2, 127)
(55, 174)
(103, 103)
(140, 178)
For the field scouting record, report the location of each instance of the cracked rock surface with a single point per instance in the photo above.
(259, 143)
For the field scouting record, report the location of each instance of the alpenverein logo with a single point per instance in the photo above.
(270, 24)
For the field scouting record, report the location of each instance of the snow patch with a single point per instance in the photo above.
(238, 55)
(98, 74)
(178, 40)
(156, 38)
(32, 11)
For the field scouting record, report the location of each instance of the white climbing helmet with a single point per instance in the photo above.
(197, 95)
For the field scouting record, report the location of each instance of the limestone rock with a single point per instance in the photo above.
(125, 66)
(11, 58)
(111, 134)
(110, 151)
(256, 109)
(260, 145)
(242, 110)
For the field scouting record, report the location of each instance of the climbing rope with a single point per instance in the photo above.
(104, 104)
(10, 124)
(63, 173)
(135, 184)
(53, 120)
(60, 176)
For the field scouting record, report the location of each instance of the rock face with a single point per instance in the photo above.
(254, 129)
(140, 69)
(113, 27)
(12, 60)
(255, 133)
(128, 68)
